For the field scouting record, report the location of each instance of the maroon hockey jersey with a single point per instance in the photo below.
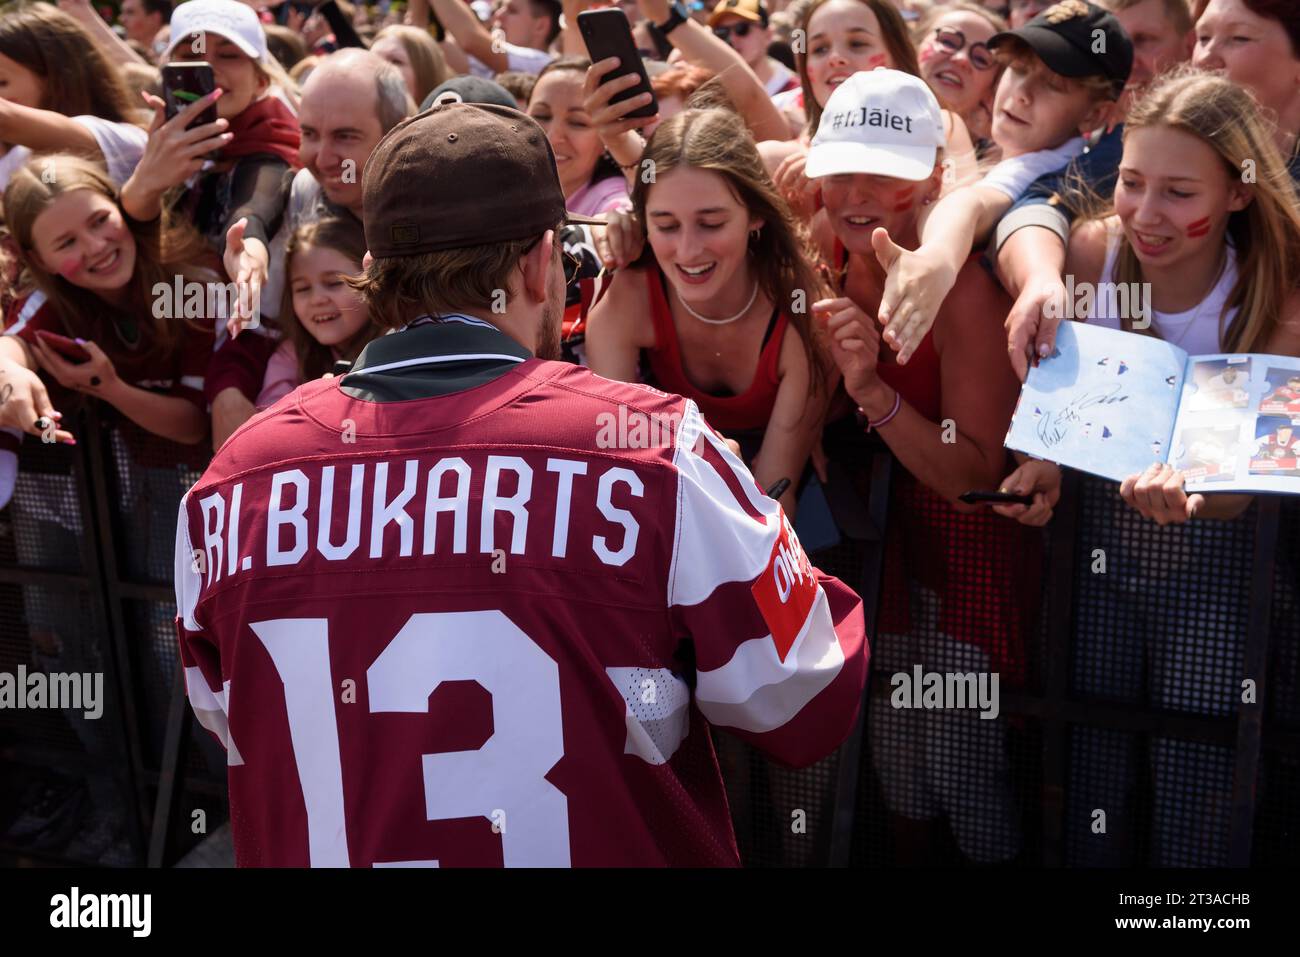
(489, 627)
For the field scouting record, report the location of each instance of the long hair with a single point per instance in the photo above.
(427, 62)
(78, 79)
(893, 30)
(1266, 233)
(717, 140)
(343, 235)
(161, 256)
(605, 165)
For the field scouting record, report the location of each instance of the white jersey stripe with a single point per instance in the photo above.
(716, 540)
(756, 691)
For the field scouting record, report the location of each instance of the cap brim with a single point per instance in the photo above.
(576, 220)
(1060, 55)
(899, 162)
(244, 46)
(717, 15)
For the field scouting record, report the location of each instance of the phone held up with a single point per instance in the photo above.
(607, 33)
(186, 83)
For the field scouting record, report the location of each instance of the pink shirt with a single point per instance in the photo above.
(281, 376)
(602, 197)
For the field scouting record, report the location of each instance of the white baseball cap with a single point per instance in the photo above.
(879, 122)
(235, 21)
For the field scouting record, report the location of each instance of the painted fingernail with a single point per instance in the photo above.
(80, 342)
(1044, 351)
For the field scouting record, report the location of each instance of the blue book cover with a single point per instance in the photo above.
(1113, 403)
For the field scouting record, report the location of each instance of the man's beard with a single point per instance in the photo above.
(548, 331)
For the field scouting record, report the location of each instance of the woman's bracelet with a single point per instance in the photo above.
(871, 425)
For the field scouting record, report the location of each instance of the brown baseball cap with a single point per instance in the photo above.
(461, 174)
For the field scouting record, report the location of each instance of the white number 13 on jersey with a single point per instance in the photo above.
(506, 775)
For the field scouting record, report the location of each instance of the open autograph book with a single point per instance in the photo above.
(1112, 403)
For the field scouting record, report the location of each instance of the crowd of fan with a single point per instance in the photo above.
(845, 214)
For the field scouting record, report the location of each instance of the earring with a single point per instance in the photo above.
(755, 233)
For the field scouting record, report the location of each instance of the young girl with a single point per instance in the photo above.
(592, 182)
(416, 55)
(94, 270)
(330, 321)
(244, 184)
(58, 92)
(1222, 257)
(106, 281)
(721, 281)
(955, 598)
(956, 62)
(846, 37)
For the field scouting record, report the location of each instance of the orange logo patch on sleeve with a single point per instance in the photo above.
(786, 589)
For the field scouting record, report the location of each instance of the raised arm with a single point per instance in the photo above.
(470, 33)
(701, 47)
(919, 280)
(109, 43)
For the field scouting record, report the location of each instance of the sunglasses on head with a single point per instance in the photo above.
(952, 40)
(736, 29)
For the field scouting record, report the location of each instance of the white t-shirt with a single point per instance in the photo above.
(121, 143)
(781, 76)
(518, 59)
(1015, 175)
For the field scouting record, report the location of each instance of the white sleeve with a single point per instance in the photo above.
(1013, 176)
(526, 59)
(780, 647)
(121, 143)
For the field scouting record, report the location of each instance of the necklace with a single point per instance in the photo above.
(720, 322)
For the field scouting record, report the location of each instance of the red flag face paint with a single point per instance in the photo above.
(903, 199)
(1199, 228)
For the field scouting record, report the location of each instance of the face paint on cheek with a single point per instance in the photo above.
(877, 60)
(903, 199)
(69, 268)
(1199, 228)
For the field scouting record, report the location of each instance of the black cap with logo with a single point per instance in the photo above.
(1077, 39)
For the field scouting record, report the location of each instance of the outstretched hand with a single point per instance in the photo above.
(915, 287)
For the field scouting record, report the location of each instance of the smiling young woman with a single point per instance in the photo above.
(715, 294)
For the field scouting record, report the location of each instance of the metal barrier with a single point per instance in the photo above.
(1149, 696)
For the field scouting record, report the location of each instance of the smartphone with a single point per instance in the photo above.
(64, 346)
(186, 83)
(975, 497)
(608, 34)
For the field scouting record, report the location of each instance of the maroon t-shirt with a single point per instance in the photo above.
(492, 626)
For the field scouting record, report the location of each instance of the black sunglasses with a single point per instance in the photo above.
(953, 40)
(738, 29)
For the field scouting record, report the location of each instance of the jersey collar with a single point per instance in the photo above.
(432, 356)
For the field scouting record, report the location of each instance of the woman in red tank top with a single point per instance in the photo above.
(718, 299)
(958, 593)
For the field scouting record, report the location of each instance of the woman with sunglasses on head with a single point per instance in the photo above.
(721, 279)
(846, 37)
(959, 67)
